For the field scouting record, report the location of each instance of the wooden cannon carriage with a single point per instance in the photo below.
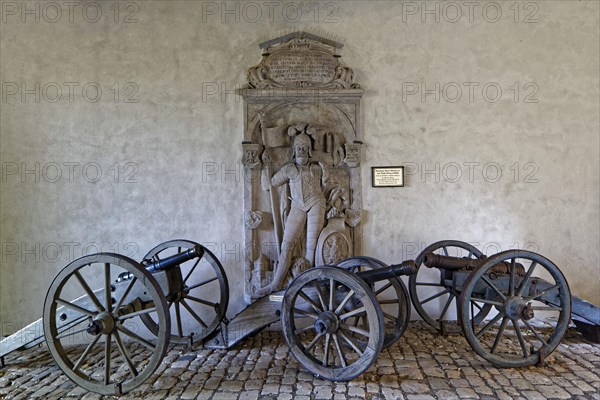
(513, 307)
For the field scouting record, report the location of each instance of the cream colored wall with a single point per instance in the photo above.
(177, 147)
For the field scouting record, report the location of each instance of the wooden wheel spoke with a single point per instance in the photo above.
(331, 293)
(389, 301)
(527, 277)
(68, 332)
(136, 337)
(343, 303)
(178, 319)
(355, 330)
(546, 308)
(445, 251)
(196, 316)
(125, 354)
(535, 333)
(202, 301)
(305, 313)
(435, 296)
(76, 307)
(86, 352)
(476, 305)
(476, 300)
(107, 345)
(543, 292)
(313, 342)
(305, 329)
(320, 294)
(339, 350)
(488, 325)
(310, 301)
(389, 316)
(353, 312)
(499, 334)
(445, 309)
(136, 313)
(326, 349)
(126, 293)
(192, 270)
(350, 342)
(494, 288)
(89, 291)
(511, 279)
(108, 305)
(521, 339)
(206, 282)
(383, 288)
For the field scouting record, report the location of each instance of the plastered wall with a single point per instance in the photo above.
(119, 129)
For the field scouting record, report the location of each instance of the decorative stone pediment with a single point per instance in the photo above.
(301, 60)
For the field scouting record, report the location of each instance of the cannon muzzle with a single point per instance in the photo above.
(166, 263)
(393, 271)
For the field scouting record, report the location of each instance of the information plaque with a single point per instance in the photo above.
(387, 176)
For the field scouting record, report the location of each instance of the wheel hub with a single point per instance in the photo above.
(102, 323)
(327, 322)
(519, 309)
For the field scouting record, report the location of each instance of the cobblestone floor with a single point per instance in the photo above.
(421, 365)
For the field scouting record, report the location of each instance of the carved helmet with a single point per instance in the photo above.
(302, 139)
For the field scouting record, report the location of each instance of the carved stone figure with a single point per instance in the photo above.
(307, 210)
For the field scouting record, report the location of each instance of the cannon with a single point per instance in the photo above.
(331, 316)
(513, 307)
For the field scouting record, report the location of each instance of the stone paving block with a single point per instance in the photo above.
(249, 395)
(322, 392)
(553, 391)
(466, 393)
(533, 395)
(392, 394)
(269, 389)
(414, 387)
(446, 395)
(356, 392)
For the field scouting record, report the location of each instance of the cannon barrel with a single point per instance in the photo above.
(456, 263)
(166, 263)
(408, 267)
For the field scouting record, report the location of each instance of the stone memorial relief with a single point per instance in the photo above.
(301, 155)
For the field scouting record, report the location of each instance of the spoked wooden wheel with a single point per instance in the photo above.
(102, 348)
(315, 312)
(532, 302)
(200, 302)
(391, 295)
(431, 289)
